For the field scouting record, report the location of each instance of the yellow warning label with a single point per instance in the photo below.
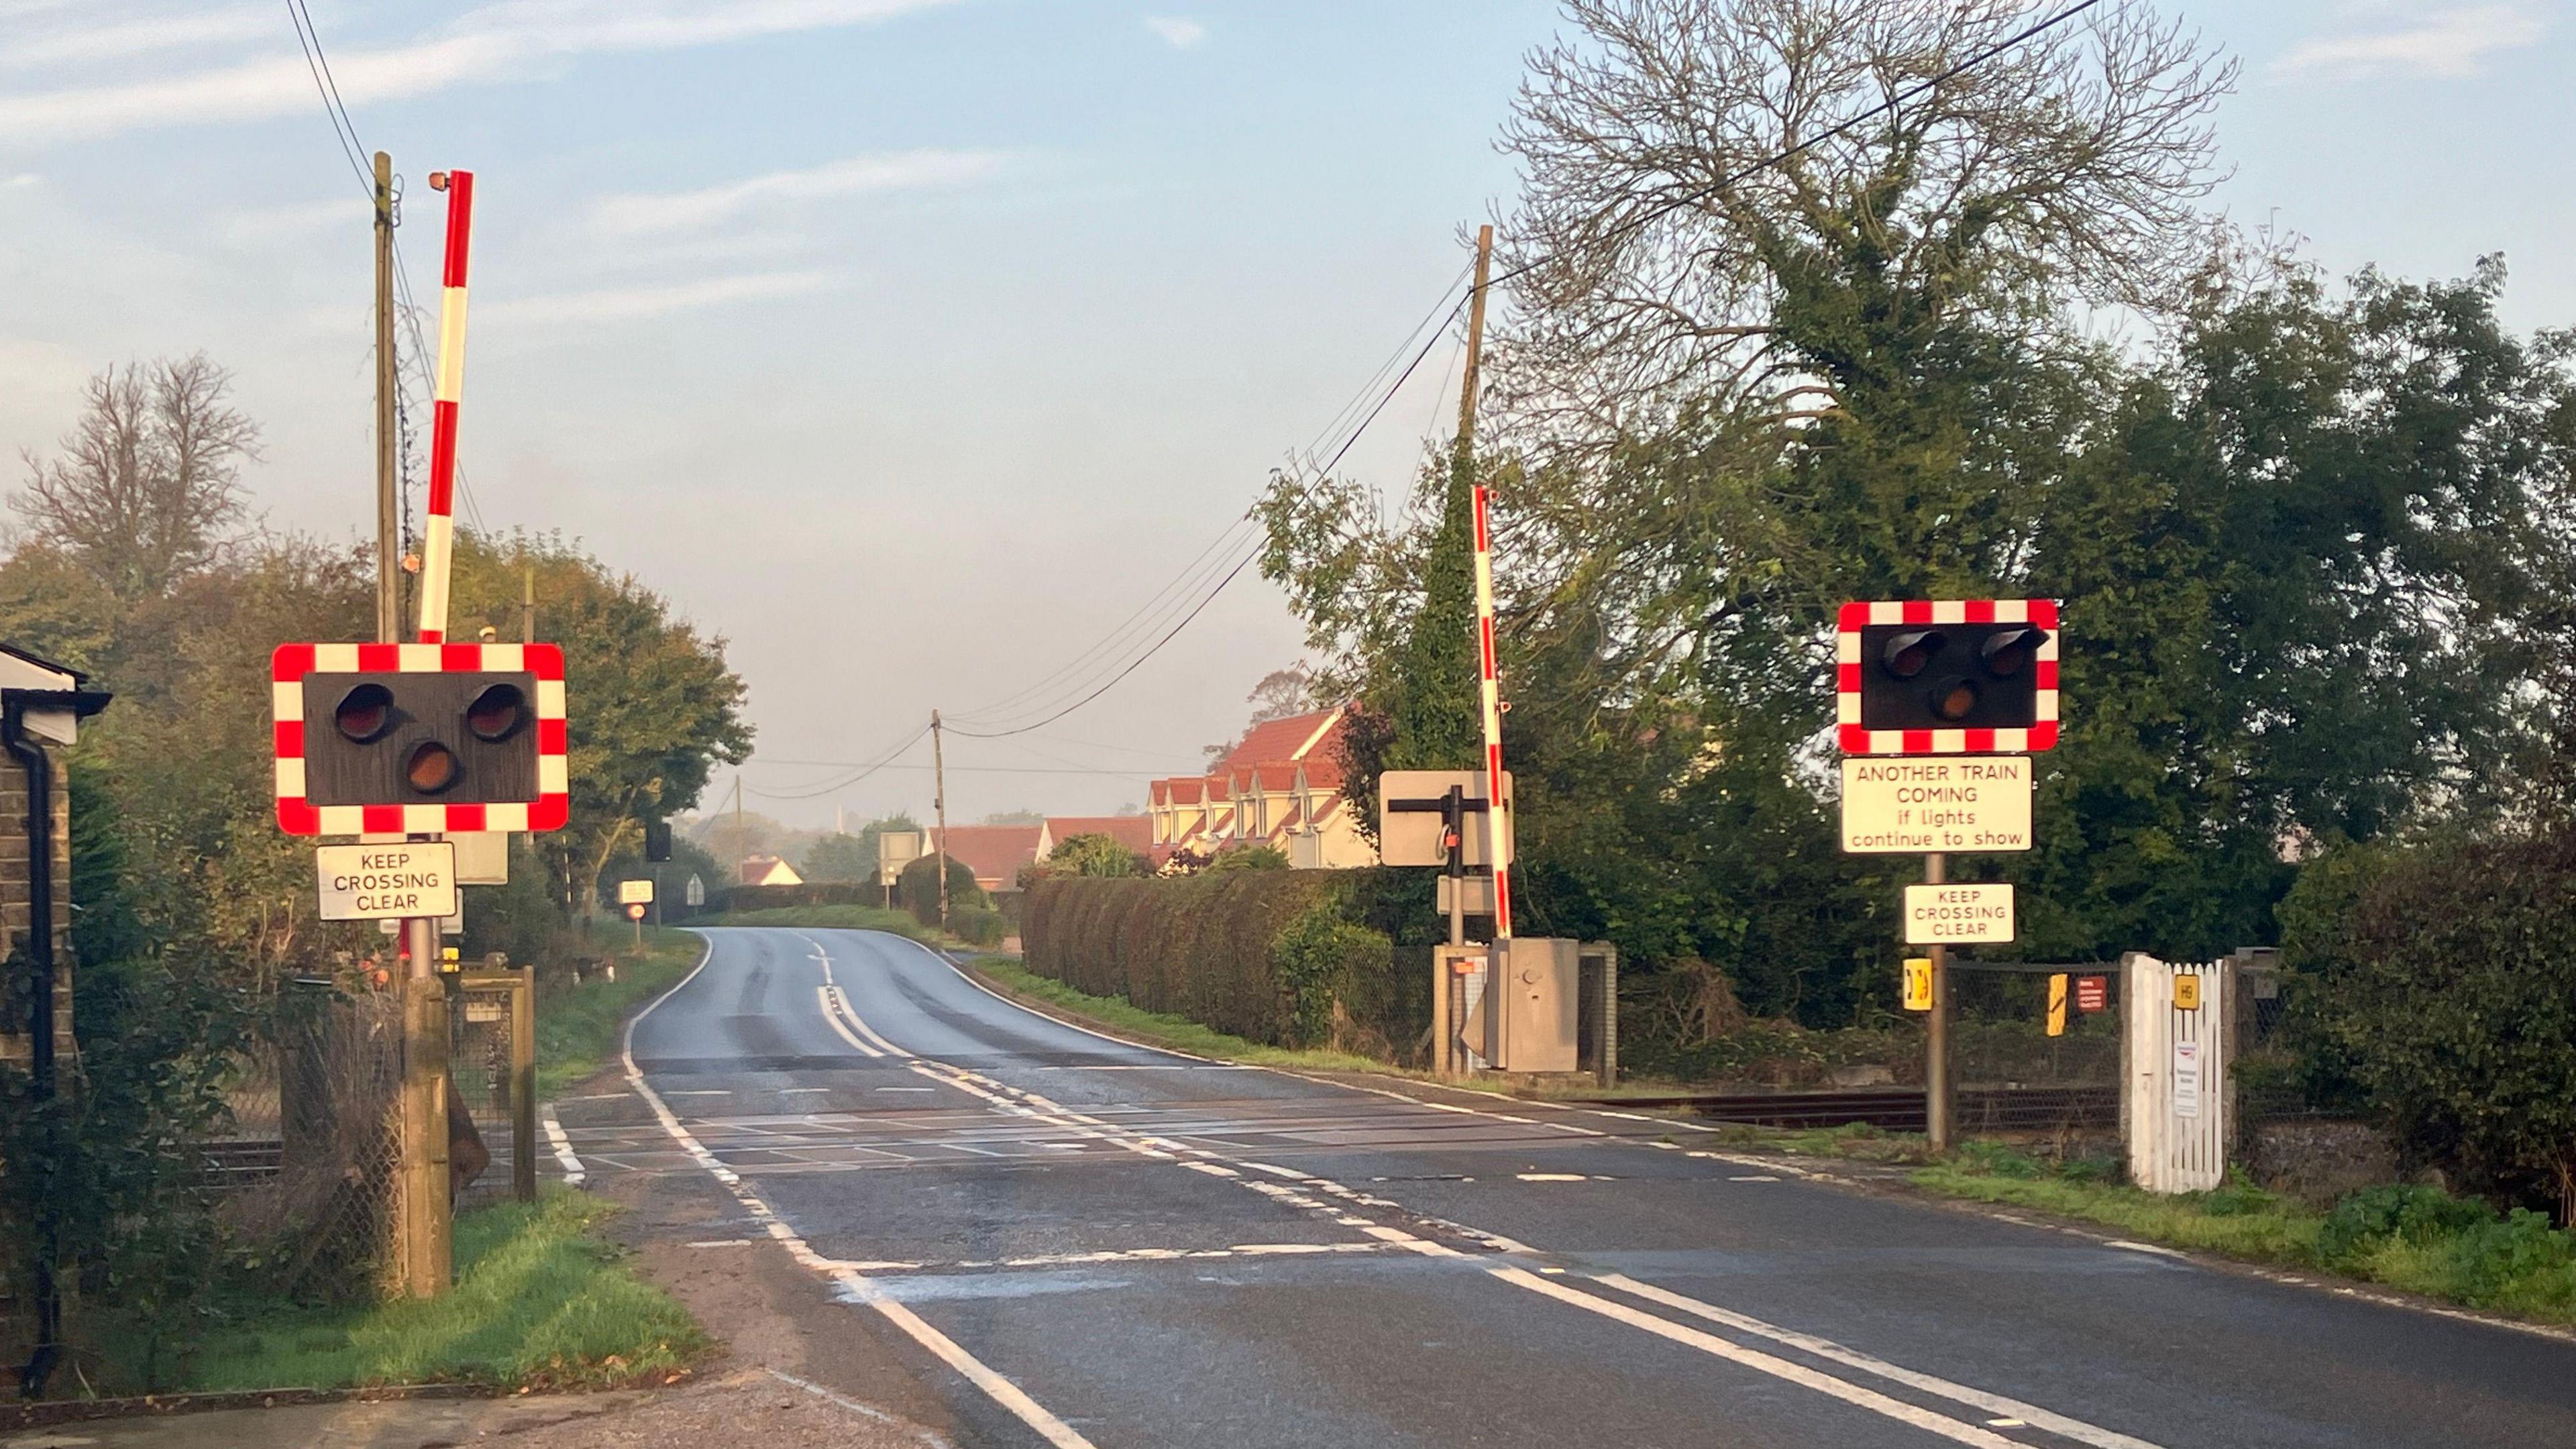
(1918, 983)
(2057, 1005)
(2187, 993)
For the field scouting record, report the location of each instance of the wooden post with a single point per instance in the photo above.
(422, 1249)
(939, 804)
(1936, 1049)
(1475, 345)
(523, 1086)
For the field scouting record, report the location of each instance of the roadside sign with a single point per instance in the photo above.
(634, 892)
(1915, 806)
(1938, 915)
(448, 926)
(2092, 993)
(2057, 1004)
(1479, 898)
(635, 911)
(1918, 983)
(1409, 823)
(386, 882)
(696, 893)
(895, 850)
(482, 857)
(2186, 992)
(2186, 1067)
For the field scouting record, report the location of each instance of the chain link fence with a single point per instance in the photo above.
(309, 1169)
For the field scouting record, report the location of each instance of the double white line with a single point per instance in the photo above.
(1337, 1203)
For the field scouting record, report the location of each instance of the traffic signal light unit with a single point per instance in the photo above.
(412, 738)
(1947, 676)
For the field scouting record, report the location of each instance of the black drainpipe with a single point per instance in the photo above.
(41, 1070)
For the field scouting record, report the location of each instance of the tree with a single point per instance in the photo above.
(655, 707)
(1099, 855)
(1665, 265)
(853, 857)
(1283, 694)
(147, 481)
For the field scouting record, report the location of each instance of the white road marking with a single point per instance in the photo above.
(1041, 1108)
(703, 1092)
(1753, 1358)
(721, 1243)
(573, 1172)
(2160, 1252)
(1825, 1348)
(824, 993)
(858, 1288)
(796, 1091)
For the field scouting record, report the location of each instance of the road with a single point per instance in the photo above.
(1067, 1239)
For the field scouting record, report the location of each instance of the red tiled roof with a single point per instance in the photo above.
(994, 852)
(1136, 832)
(1294, 738)
(1322, 774)
(1278, 775)
(1181, 792)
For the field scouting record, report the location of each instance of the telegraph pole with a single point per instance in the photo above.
(388, 499)
(528, 604)
(939, 804)
(1475, 347)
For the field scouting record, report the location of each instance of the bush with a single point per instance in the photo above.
(1209, 947)
(976, 925)
(918, 889)
(2440, 980)
(1317, 960)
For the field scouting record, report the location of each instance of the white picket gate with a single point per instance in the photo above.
(2175, 1107)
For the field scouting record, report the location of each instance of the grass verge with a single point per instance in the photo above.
(578, 1027)
(540, 1302)
(2410, 1237)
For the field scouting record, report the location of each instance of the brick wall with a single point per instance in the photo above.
(14, 898)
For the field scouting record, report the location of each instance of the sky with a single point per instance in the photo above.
(913, 345)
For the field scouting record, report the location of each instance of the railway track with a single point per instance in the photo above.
(1900, 1109)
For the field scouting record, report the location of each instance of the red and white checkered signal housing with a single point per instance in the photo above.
(413, 738)
(1947, 676)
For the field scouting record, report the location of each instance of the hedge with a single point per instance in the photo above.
(1268, 955)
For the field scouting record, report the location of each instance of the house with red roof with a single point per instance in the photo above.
(1132, 831)
(994, 852)
(1280, 786)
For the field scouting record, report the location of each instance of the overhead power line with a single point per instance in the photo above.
(1643, 219)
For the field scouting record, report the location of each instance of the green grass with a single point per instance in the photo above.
(579, 1027)
(539, 1301)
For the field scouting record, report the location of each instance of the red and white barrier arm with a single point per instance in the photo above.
(438, 542)
(1498, 809)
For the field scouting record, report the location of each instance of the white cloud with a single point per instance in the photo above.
(25, 178)
(878, 171)
(1178, 32)
(2445, 43)
(627, 303)
(495, 42)
(123, 39)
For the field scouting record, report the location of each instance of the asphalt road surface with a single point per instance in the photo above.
(1067, 1239)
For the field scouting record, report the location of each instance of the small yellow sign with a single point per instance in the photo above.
(2187, 993)
(2057, 1005)
(1918, 983)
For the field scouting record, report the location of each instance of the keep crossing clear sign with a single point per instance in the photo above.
(404, 880)
(1937, 915)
